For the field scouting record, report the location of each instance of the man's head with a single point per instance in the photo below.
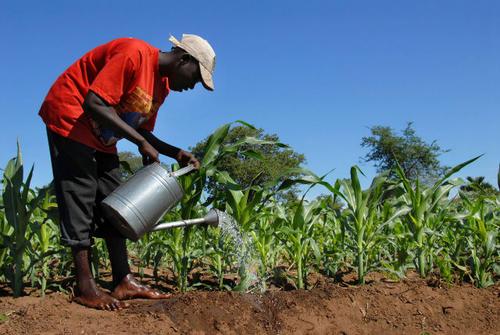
(193, 61)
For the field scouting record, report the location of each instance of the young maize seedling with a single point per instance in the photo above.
(363, 219)
(425, 204)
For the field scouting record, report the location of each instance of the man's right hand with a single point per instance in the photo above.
(148, 152)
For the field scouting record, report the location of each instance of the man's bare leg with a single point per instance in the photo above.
(87, 292)
(124, 283)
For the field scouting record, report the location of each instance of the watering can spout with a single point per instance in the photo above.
(212, 218)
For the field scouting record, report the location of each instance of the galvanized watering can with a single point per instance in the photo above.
(136, 206)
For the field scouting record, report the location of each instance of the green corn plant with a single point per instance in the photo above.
(19, 205)
(332, 237)
(453, 241)
(174, 250)
(45, 243)
(482, 221)
(445, 265)
(219, 256)
(297, 235)
(179, 242)
(182, 252)
(179, 245)
(439, 223)
(427, 207)
(216, 262)
(242, 206)
(98, 253)
(138, 249)
(247, 208)
(6, 230)
(362, 219)
(400, 251)
(265, 241)
(152, 252)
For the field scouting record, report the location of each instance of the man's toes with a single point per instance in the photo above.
(117, 305)
(123, 304)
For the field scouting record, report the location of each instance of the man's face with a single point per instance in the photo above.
(186, 74)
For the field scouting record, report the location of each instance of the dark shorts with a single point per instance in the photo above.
(83, 177)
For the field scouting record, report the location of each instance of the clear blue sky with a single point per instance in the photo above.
(317, 73)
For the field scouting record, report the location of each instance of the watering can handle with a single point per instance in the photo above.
(183, 171)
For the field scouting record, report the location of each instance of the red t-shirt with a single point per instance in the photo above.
(125, 74)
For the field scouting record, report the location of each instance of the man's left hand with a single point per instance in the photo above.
(185, 158)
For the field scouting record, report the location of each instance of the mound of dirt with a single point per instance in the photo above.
(408, 307)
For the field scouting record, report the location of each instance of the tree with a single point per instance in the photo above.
(246, 170)
(478, 187)
(418, 159)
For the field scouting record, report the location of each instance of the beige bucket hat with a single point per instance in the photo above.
(201, 50)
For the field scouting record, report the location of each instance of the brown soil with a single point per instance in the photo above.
(380, 307)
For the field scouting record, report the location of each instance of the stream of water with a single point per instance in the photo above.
(245, 255)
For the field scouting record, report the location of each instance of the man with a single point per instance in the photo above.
(112, 92)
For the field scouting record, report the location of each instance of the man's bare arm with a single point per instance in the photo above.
(106, 116)
(164, 148)
(183, 157)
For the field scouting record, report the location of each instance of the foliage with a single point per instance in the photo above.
(478, 187)
(23, 210)
(482, 226)
(297, 235)
(417, 159)
(364, 220)
(396, 224)
(428, 212)
(129, 163)
(256, 158)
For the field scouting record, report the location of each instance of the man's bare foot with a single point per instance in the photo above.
(130, 288)
(98, 299)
